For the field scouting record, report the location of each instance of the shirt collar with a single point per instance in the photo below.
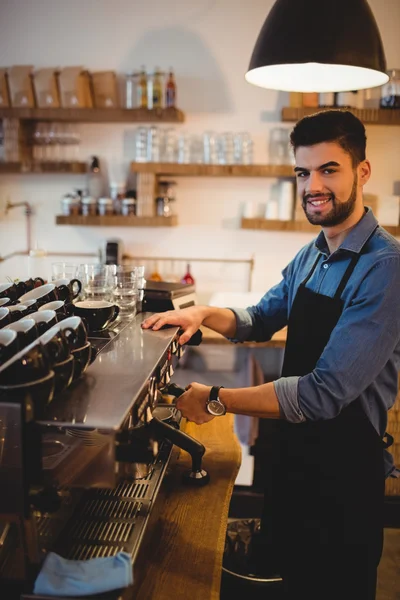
(357, 237)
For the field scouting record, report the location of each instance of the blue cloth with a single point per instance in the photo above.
(62, 577)
(362, 357)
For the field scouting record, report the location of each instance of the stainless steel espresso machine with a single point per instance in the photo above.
(82, 481)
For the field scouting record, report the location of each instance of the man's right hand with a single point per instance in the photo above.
(188, 319)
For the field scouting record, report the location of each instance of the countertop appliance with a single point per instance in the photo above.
(114, 251)
(160, 296)
(83, 480)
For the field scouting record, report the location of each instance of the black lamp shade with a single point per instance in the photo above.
(318, 40)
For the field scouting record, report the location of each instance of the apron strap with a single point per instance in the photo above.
(312, 270)
(346, 276)
(351, 267)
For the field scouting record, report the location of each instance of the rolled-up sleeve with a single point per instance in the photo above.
(258, 323)
(286, 389)
(359, 348)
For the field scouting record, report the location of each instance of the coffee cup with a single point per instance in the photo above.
(98, 314)
(44, 320)
(68, 289)
(35, 394)
(31, 284)
(29, 364)
(64, 373)
(56, 343)
(5, 317)
(31, 306)
(76, 324)
(82, 359)
(8, 289)
(26, 331)
(60, 307)
(17, 311)
(8, 345)
(42, 295)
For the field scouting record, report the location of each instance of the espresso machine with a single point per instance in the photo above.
(82, 480)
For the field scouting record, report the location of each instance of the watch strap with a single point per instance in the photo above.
(214, 392)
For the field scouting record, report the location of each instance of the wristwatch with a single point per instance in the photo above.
(214, 405)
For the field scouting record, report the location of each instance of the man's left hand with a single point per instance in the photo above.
(192, 403)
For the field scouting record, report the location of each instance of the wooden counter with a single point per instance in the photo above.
(185, 541)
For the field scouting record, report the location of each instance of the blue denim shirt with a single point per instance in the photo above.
(362, 357)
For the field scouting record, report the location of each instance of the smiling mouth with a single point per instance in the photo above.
(318, 202)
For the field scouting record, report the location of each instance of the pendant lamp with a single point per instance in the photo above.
(318, 46)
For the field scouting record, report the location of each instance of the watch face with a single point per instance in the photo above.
(216, 408)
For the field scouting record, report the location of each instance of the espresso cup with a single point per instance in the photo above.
(8, 345)
(5, 302)
(31, 306)
(60, 307)
(29, 364)
(17, 311)
(42, 295)
(38, 393)
(44, 320)
(64, 374)
(5, 317)
(26, 331)
(75, 323)
(8, 290)
(56, 343)
(82, 357)
(68, 289)
(31, 284)
(98, 314)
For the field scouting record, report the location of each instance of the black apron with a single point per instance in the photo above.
(323, 513)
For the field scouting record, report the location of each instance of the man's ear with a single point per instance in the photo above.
(364, 172)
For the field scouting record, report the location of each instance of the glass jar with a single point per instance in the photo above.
(164, 206)
(129, 99)
(128, 207)
(390, 91)
(70, 205)
(105, 206)
(89, 206)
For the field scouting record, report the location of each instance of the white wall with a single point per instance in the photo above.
(209, 43)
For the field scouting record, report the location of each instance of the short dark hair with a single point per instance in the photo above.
(339, 126)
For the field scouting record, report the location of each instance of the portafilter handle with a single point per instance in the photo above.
(162, 430)
(172, 390)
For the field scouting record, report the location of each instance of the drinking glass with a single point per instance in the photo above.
(125, 290)
(63, 270)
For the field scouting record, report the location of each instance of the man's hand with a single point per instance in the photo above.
(192, 403)
(188, 319)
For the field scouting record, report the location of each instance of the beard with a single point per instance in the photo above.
(340, 210)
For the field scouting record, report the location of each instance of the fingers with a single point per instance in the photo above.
(159, 320)
(186, 335)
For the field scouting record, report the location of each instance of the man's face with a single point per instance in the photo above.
(327, 183)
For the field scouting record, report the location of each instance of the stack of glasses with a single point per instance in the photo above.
(120, 284)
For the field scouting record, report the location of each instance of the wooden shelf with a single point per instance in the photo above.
(301, 226)
(369, 116)
(95, 115)
(117, 221)
(213, 170)
(42, 167)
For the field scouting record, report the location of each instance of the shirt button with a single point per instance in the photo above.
(325, 266)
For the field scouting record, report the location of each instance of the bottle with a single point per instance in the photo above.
(37, 263)
(155, 275)
(141, 89)
(170, 91)
(157, 89)
(95, 178)
(187, 278)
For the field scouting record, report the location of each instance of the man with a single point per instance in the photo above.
(340, 300)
